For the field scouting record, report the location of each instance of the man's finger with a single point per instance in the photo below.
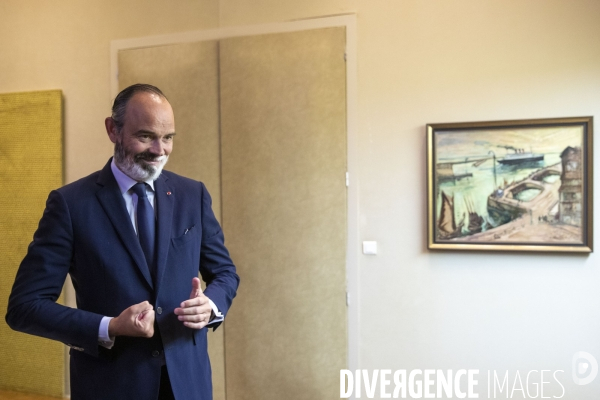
(141, 307)
(198, 301)
(146, 315)
(146, 323)
(192, 306)
(190, 311)
(194, 317)
(195, 325)
(196, 289)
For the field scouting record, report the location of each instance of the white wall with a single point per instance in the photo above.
(419, 62)
(437, 61)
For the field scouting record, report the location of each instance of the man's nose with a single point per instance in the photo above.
(157, 148)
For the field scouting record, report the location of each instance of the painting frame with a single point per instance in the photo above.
(528, 215)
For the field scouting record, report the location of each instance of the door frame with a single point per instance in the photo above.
(349, 22)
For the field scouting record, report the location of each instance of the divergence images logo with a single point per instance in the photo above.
(585, 368)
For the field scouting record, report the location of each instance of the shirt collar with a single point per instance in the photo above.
(125, 182)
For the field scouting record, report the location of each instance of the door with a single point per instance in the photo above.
(283, 149)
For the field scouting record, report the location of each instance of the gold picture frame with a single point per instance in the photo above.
(520, 185)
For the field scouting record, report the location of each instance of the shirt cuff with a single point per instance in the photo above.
(103, 338)
(217, 317)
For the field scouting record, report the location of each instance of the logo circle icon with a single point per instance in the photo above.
(585, 368)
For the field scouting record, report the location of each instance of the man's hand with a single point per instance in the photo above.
(195, 312)
(137, 320)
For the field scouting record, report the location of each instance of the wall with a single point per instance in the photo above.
(438, 61)
(419, 62)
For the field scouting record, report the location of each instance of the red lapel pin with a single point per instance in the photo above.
(168, 193)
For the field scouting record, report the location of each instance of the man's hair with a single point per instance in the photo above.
(120, 103)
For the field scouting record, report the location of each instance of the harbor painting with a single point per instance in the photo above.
(511, 185)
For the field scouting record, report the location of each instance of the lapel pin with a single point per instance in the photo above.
(168, 193)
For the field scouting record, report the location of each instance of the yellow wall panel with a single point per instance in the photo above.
(31, 166)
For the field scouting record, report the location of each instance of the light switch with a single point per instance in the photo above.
(370, 248)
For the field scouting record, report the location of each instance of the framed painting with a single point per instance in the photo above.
(523, 185)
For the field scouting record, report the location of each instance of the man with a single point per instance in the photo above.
(133, 238)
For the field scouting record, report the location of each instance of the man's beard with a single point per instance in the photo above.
(133, 165)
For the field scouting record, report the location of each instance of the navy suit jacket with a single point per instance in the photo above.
(85, 231)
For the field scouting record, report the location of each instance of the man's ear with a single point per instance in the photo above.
(111, 129)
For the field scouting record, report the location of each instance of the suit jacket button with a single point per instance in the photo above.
(155, 353)
(159, 310)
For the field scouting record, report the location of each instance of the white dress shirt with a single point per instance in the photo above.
(125, 184)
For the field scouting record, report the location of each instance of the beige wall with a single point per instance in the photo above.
(419, 62)
(251, 12)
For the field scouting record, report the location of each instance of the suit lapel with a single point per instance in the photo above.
(112, 201)
(164, 203)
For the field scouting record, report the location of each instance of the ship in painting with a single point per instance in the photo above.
(520, 156)
(447, 227)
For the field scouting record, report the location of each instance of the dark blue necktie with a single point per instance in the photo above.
(145, 225)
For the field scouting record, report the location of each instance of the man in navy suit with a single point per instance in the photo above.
(139, 330)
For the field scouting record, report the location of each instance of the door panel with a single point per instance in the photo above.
(188, 75)
(283, 150)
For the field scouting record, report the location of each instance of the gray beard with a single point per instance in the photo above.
(133, 166)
